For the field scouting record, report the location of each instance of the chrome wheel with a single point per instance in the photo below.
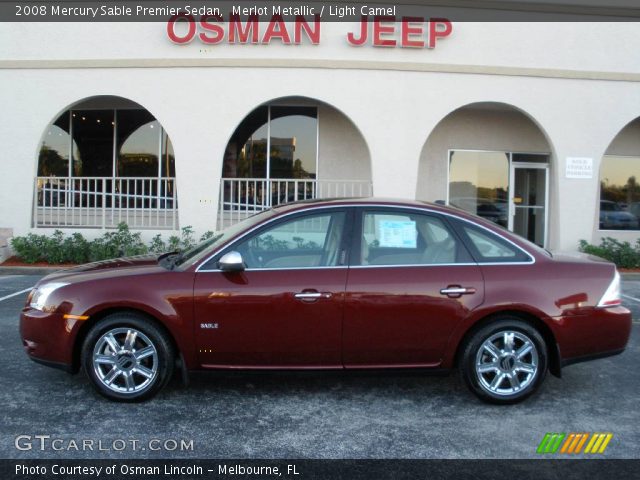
(506, 363)
(125, 360)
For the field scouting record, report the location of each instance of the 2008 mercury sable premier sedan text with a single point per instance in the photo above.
(340, 284)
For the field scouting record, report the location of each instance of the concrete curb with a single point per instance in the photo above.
(630, 275)
(28, 270)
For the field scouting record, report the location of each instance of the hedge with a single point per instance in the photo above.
(60, 248)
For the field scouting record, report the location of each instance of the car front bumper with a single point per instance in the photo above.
(47, 338)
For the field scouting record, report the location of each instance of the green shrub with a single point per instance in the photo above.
(29, 248)
(207, 235)
(119, 243)
(187, 241)
(623, 254)
(157, 244)
(76, 248)
(174, 244)
(58, 248)
(52, 251)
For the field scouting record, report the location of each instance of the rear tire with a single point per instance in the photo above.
(127, 357)
(505, 361)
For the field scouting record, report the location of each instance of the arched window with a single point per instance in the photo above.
(275, 142)
(104, 161)
(620, 181)
(288, 150)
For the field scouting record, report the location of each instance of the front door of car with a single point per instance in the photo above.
(284, 310)
(410, 284)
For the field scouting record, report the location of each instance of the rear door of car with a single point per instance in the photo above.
(411, 282)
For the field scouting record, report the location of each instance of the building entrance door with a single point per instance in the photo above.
(528, 201)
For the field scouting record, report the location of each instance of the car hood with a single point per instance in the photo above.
(142, 264)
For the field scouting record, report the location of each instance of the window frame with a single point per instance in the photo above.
(269, 106)
(347, 232)
(163, 140)
(358, 232)
(460, 225)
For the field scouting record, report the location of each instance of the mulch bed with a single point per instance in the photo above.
(15, 262)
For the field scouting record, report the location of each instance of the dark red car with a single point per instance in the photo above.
(341, 284)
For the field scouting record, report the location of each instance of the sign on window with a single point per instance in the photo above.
(397, 234)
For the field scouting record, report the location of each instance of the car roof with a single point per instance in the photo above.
(378, 201)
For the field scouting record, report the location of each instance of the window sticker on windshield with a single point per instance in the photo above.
(397, 234)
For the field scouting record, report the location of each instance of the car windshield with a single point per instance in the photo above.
(196, 253)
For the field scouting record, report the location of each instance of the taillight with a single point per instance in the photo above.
(611, 297)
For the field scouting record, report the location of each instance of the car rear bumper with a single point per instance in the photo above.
(600, 332)
(586, 358)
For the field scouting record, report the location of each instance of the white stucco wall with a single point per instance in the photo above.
(343, 153)
(475, 128)
(580, 96)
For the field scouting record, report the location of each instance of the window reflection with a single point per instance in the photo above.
(168, 157)
(619, 193)
(92, 132)
(479, 184)
(139, 139)
(291, 133)
(53, 160)
(293, 142)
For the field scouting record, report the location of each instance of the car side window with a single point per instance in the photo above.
(491, 248)
(390, 238)
(303, 242)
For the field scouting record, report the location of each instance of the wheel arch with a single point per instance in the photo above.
(99, 315)
(553, 350)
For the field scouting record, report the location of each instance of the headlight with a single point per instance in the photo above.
(40, 295)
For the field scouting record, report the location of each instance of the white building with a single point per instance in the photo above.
(533, 125)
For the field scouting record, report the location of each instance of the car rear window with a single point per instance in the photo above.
(491, 248)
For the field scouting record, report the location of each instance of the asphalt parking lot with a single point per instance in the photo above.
(310, 416)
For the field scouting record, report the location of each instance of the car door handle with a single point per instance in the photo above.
(455, 291)
(310, 296)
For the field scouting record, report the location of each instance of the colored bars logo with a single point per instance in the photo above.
(574, 442)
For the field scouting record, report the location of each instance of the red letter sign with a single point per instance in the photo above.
(435, 32)
(243, 34)
(171, 32)
(379, 30)
(408, 30)
(216, 30)
(364, 26)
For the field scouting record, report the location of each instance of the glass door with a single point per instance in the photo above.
(529, 195)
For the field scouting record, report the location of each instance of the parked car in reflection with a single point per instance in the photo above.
(493, 210)
(341, 284)
(613, 217)
(634, 209)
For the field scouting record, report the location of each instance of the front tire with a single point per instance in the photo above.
(127, 357)
(505, 361)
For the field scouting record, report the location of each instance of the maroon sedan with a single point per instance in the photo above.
(341, 284)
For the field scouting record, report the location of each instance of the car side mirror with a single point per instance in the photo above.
(231, 262)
